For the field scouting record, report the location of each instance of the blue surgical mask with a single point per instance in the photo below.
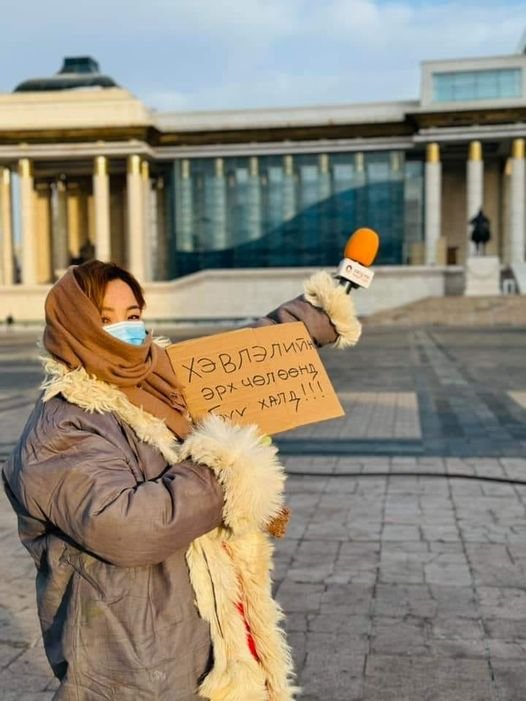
(133, 332)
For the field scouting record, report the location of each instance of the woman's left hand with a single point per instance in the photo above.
(279, 524)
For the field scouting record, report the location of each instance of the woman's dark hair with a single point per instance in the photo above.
(94, 276)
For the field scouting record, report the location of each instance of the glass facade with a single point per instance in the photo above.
(279, 211)
(477, 85)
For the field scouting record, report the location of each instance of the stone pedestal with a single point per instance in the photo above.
(519, 273)
(482, 276)
(441, 251)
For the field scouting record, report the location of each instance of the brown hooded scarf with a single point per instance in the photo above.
(74, 335)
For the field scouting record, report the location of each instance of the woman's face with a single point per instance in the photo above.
(119, 304)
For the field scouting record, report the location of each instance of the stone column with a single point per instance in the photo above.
(162, 262)
(135, 218)
(217, 203)
(274, 212)
(432, 202)
(396, 186)
(474, 189)
(60, 229)
(359, 182)
(325, 177)
(101, 197)
(328, 232)
(184, 215)
(254, 199)
(506, 213)
(28, 252)
(343, 180)
(517, 206)
(148, 234)
(6, 229)
(289, 188)
(43, 223)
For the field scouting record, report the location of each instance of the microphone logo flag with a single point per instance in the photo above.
(354, 272)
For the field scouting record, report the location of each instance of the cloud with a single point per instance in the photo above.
(167, 100)
(455, 28)
(249, 18)
(132, 19)
(268, 89)
(341, 50)
(198, 54)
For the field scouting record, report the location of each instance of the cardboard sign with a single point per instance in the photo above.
(270, 376)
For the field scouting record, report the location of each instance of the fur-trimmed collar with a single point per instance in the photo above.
(95, 396)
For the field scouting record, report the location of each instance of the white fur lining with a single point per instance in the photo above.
(239, 558)
(321, 291)
(230, 564)
(241, 461)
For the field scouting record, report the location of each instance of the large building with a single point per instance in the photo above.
(87, 170)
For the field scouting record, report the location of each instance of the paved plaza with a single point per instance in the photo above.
(403, 570)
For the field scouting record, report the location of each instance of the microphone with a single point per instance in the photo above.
(359, 252)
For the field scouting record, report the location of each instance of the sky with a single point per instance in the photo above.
(183, 55)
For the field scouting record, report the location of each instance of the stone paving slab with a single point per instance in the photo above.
(394, 588)
(422, 611)
(369, 415)
(439, 392)
(401, 580)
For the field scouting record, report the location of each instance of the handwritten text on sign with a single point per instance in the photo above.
(271, 376)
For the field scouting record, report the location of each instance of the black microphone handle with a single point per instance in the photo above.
(348, 285)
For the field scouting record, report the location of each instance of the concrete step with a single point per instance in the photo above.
(505, 310)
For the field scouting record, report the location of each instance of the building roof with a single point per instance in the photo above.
(326, 115)
(48, 117)
(76, 72)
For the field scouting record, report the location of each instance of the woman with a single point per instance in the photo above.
(149, 533)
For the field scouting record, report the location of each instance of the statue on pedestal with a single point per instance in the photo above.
(480, 234)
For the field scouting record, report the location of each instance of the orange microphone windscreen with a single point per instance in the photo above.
(362, 246)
